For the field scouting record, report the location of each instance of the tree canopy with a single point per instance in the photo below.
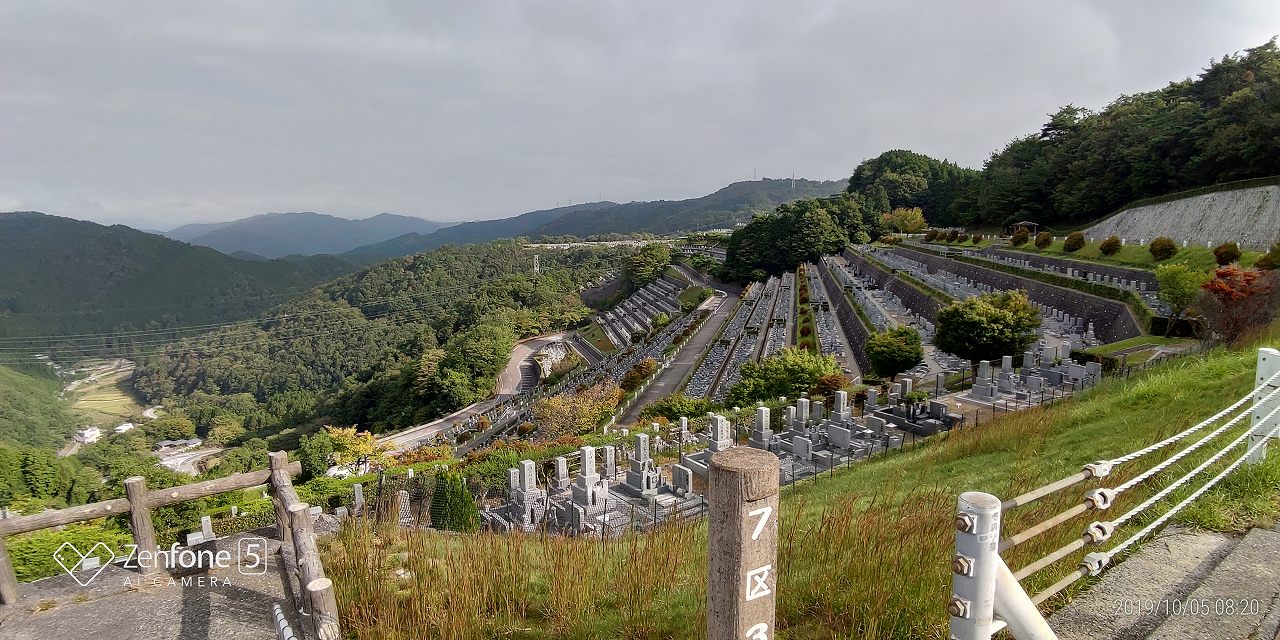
(988, 326)
(894, 351)
(789, 373)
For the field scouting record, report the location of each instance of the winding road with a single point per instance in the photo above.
(510, 381)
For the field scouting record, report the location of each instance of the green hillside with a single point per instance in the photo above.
(30, 411)
(393, 344)
(64, 276)
(843, 539)
(276, 235)
(729, 206)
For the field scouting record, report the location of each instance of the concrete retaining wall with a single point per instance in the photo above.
(1248, 216)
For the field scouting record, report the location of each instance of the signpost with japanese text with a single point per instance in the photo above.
(742, 538)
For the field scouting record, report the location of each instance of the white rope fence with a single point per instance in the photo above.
(986, 594)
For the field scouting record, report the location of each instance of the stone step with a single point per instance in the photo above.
(1236, 600)
(1118, 606)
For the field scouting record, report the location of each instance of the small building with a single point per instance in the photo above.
(89, 435)
(124, 427)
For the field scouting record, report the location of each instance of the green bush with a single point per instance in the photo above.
(931, 235)
(976, 238)
(1020, 236)
(1271, 260)
(1162, 248)
(964, 237)
(1044, 239)
(952, 235)
(1110, 246)
(1074, 242)
(1226, 253)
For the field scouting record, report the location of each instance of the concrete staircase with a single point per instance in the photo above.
(1184, 585)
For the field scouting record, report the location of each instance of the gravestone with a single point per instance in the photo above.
(937, 409)
(681, 480)
(610, 462)
(1028, 359)
(802, 448)
(206, 527)
(341, 512)
(802, 413)
(357, 501)
(642, 477)
(838, 436)
(875, 424)
(403, 508)
(984, 370)
(1006, 364)
(761, 435)
(561, 481)
(841, 411)
(721, 437)
(871, 399)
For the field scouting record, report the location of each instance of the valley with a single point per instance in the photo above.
(932, 399)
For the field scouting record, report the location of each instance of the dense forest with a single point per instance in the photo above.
(726, 207)
(64, 276)
(394, 344)
(798, 232)
(1223, 125)
(30, 411)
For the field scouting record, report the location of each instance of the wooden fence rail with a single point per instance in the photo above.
(293, 523)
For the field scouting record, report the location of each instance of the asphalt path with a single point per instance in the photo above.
(508, 385)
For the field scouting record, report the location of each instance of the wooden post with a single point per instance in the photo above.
(279, 460)
(8, 579)
(324, 609)
(742, 558)
(144, 533)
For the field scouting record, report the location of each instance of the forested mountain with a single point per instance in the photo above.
(731, 205)
(1223, 125)
(394, 344)
(525, 224)
(798, 232)
(64, 276)
(727, 207)
(904, 179)
(276, 235)
(31, 413)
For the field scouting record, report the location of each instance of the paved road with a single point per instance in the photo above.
(185, 461)
(668, 381)
(508, 385)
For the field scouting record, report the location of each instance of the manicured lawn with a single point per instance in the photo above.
(594, 334)
(1132, 255)
(108, 400)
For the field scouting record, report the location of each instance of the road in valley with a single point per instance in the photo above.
(669, 379)
(509, 384)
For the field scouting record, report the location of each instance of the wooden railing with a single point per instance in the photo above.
(293, 524)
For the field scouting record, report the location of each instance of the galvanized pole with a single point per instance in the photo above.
(975, 566)
(742, 538)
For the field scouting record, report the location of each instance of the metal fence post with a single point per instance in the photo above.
(742, 539)
(1268, 365)
(974, 568)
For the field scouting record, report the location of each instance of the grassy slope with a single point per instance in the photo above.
(1132, 255)
(863, 553)
(30, 411)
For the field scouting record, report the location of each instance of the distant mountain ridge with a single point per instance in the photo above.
(734, 204)
(276, 235)
(65, 276)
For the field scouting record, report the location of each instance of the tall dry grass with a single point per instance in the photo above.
(864, 553)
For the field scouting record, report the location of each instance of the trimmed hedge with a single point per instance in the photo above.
(1136, 305)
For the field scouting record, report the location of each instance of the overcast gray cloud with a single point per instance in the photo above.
(158, 113)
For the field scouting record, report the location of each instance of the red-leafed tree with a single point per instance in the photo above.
(1237, 301)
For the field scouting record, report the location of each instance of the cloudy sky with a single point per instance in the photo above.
(159, 113)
